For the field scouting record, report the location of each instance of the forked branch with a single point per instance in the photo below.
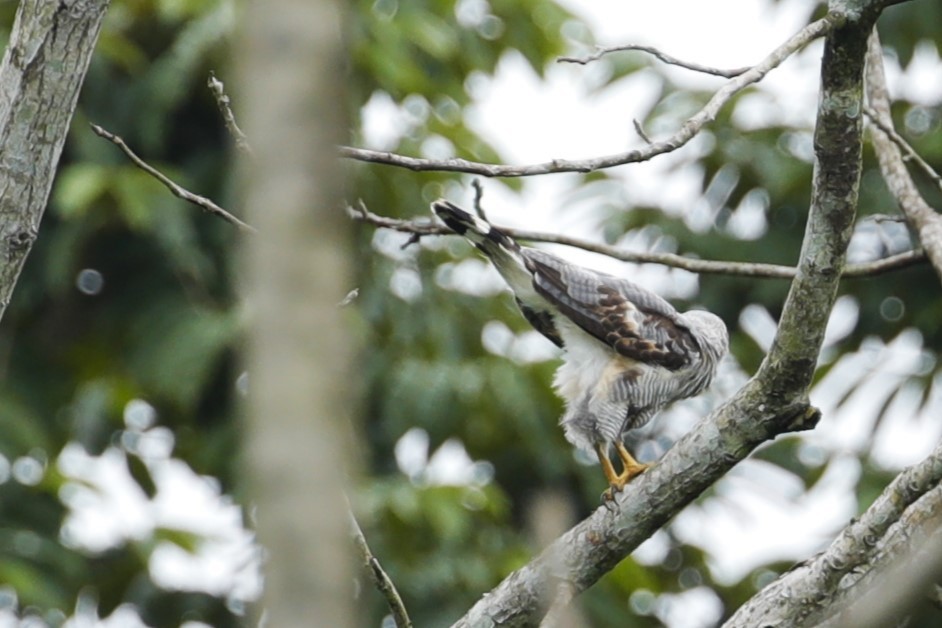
(687, 132)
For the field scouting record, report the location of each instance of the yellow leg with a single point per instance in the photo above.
(630, 466)
(607, 467)
(630, 469)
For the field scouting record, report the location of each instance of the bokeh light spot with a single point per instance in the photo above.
(89, 281)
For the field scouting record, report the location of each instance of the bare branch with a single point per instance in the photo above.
(641, 132)
(175, 189)
(905, 568)
(881, 218)
(880, 266)
(694, 265)
(921, 216)
(601, 51)
(228, 117)
(688, 130)
(848, 556)
(380, 578)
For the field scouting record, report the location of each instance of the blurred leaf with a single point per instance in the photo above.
(181, 538)
(141, 475)
(78, 186)
(179, 350)
(121, 51)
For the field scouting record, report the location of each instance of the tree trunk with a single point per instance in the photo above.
(291, 58)
(40, 78)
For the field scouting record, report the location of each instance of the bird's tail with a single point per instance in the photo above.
(503, 250)
(480, 232)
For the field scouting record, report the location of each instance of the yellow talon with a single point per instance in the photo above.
(630, 469)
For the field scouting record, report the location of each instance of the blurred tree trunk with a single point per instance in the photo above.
(42, 72)
(291, 91)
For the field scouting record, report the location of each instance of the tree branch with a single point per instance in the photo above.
(228, 117)
(688, 130)
(672, 260)
(177, 190)
(804, 595)
(663, 56)
(423, 228)
(774, 401)
(909, 153)
(380, 578)
(905, 568)
(926, 222)
(793, 599)
(42, 72)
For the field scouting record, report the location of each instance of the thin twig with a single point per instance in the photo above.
(175, 189)
(704, 267)
(601, 51)
(350, 298)
(479, 199)
(909, 153)
(687, 131)
(228, 117)
(382, 581)
(884, 265)
(641, 132)
(878, 218)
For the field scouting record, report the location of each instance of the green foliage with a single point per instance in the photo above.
(165, 325)
(156, 320)
(454, 542)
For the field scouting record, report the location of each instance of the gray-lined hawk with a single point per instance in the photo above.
(627, 352)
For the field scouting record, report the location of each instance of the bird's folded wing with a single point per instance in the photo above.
(635, 322)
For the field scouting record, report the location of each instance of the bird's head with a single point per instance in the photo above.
(710, 331)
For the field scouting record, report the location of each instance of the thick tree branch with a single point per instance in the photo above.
(874, 573)
(689, 129)
(774, 401)
(792, 600)
(903, 572)
(42, 72)
(926, 222)
(805, 595)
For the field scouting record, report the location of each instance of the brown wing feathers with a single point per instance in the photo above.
(634, 322)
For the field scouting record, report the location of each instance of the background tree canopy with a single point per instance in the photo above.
(120, 367)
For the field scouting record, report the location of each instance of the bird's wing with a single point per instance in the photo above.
(635, 322)
(542, 321)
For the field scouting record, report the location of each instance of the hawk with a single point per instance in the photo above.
(627, 352)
